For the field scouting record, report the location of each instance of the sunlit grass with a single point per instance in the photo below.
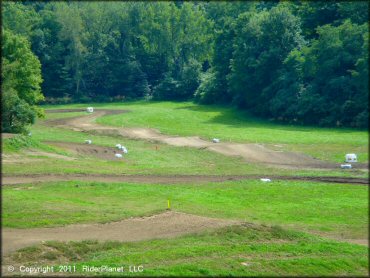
(329, 208)
(236, 251)
(229, 124)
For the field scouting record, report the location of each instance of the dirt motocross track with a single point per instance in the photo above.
(165, 225)
(254, 153)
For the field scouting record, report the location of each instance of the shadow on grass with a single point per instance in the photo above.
(227, 115)
(232, 117)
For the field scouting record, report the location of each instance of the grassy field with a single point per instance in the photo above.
(147, 159)
(144, 158)
(338, 210)
(233, 251)
(298, 227)
(232, 125)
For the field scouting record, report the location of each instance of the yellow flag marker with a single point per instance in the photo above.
(168, 204)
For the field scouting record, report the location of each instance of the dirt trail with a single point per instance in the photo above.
(165, 225)
(152, 179)
(165, 179)
(169, 224)
(254, 153)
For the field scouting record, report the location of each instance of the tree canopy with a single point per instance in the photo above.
(301, 62)
(21, 78)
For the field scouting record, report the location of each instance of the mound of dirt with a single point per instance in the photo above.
(100, 152)
(165, 225)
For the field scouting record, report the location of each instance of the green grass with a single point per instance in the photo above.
(267, 251)
(54, 116)
(21, 142)
(333, 209)
(231, 125)
(143, 158)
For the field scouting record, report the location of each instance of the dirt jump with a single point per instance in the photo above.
(100, 152)
(165, 225)
(254, 153)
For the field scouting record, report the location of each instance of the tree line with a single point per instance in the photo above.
(299, 62)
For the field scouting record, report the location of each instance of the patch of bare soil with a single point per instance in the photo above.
(7, 135)
(165, 225)
(342, 238)
(29, 156)
(47, 154)
(81, 123)
(16, 158)
(363, 242)
(106, 153)
(254, 153)
(164, 179)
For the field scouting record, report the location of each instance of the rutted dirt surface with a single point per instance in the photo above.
(165, 225)
(106, 153)
(254, 153)
(165, 179)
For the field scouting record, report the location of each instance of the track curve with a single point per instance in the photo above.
(254, 153)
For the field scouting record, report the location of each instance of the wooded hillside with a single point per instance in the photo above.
(298, 62)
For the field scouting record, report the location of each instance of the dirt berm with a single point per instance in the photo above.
(165, 225)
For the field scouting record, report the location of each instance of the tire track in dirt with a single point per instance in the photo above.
(254, 153)
(164, 225)
(8, 180)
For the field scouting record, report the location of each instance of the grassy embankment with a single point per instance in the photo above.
(333, 209)
(236, 251)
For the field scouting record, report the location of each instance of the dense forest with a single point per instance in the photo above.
(303, 62)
